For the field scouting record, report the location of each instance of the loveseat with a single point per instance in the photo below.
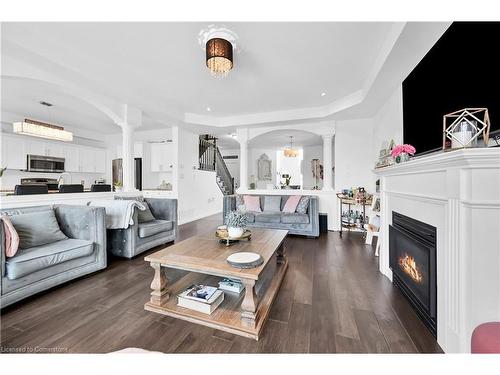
(80, 250)
(305, 224)
(142, 236)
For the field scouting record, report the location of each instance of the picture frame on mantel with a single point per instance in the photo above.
(264, 168)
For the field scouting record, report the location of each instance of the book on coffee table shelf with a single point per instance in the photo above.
(231, 285)
(202, 298)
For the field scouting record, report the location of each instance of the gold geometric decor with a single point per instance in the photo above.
(466, 126)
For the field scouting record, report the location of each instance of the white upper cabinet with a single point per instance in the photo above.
(72, 159)
(162, 157)
(100, 161)
(54, 149)
(87, 160)
(45, 148)
(14, 153)
(36, 147)
(78, 158)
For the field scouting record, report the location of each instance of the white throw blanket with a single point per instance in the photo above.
(119, 213)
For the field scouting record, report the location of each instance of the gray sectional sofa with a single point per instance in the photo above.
(142, 236)
(32, 270)
(296, 223)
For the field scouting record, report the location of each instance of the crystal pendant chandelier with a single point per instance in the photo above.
(290, 152)
(219, 56)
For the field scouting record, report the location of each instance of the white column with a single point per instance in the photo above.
(327, 163)
(128, 157)
(243, 164)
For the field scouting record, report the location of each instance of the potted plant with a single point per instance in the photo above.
(236, 222)
(401, 153)
(118, 186)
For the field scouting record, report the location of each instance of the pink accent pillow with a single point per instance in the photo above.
(252, 203)
(291, 203)
(11, 237)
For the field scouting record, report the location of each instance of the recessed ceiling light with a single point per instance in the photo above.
(209, 109)
(323, 94)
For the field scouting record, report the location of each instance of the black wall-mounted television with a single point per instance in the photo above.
(461, 70)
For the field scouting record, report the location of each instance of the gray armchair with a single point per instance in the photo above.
(301, 224)
(140, 237)
(42, 267)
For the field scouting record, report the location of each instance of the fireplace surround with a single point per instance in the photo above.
(458, 193)
(412, 259)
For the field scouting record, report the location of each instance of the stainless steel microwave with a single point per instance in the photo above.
(39, 163)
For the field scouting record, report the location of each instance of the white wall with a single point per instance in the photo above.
(353, 158)
(311, 152)
(308, 153)
(290, 166)
(199, 195)
(254, 155)
(388, 123)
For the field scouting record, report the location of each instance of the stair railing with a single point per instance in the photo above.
(223, 173)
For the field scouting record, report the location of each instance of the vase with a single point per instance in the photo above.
(234, 232)
(402, 157)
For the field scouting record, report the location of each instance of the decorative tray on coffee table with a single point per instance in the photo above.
(223, 235)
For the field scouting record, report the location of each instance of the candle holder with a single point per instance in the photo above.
(466, 126)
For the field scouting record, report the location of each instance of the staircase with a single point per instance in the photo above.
(210, 159)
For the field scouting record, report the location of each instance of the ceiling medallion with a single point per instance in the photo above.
(218, 43)
(290, 152)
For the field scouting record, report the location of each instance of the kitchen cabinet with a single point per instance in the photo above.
(36, 147)
(72, 159)
(99, 161)
(54, 149)
(82, 159)
(13, 153)
(87, 160)
(162, 157)
(91, 160)
(45, 148)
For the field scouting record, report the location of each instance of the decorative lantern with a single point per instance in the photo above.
(466, 126)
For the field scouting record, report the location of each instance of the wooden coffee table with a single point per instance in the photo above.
(243, 314)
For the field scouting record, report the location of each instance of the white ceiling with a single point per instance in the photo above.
(160, 69)
(21, 98)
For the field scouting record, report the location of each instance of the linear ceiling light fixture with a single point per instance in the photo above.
(42, 130)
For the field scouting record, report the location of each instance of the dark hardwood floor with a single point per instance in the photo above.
(332, 300)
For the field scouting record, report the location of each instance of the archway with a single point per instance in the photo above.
(271, 144)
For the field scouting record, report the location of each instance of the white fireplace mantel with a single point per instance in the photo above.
(458, 192)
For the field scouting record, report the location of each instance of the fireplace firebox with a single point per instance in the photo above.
(412, 258)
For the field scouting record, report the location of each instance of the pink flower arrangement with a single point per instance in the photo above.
(399, 149)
